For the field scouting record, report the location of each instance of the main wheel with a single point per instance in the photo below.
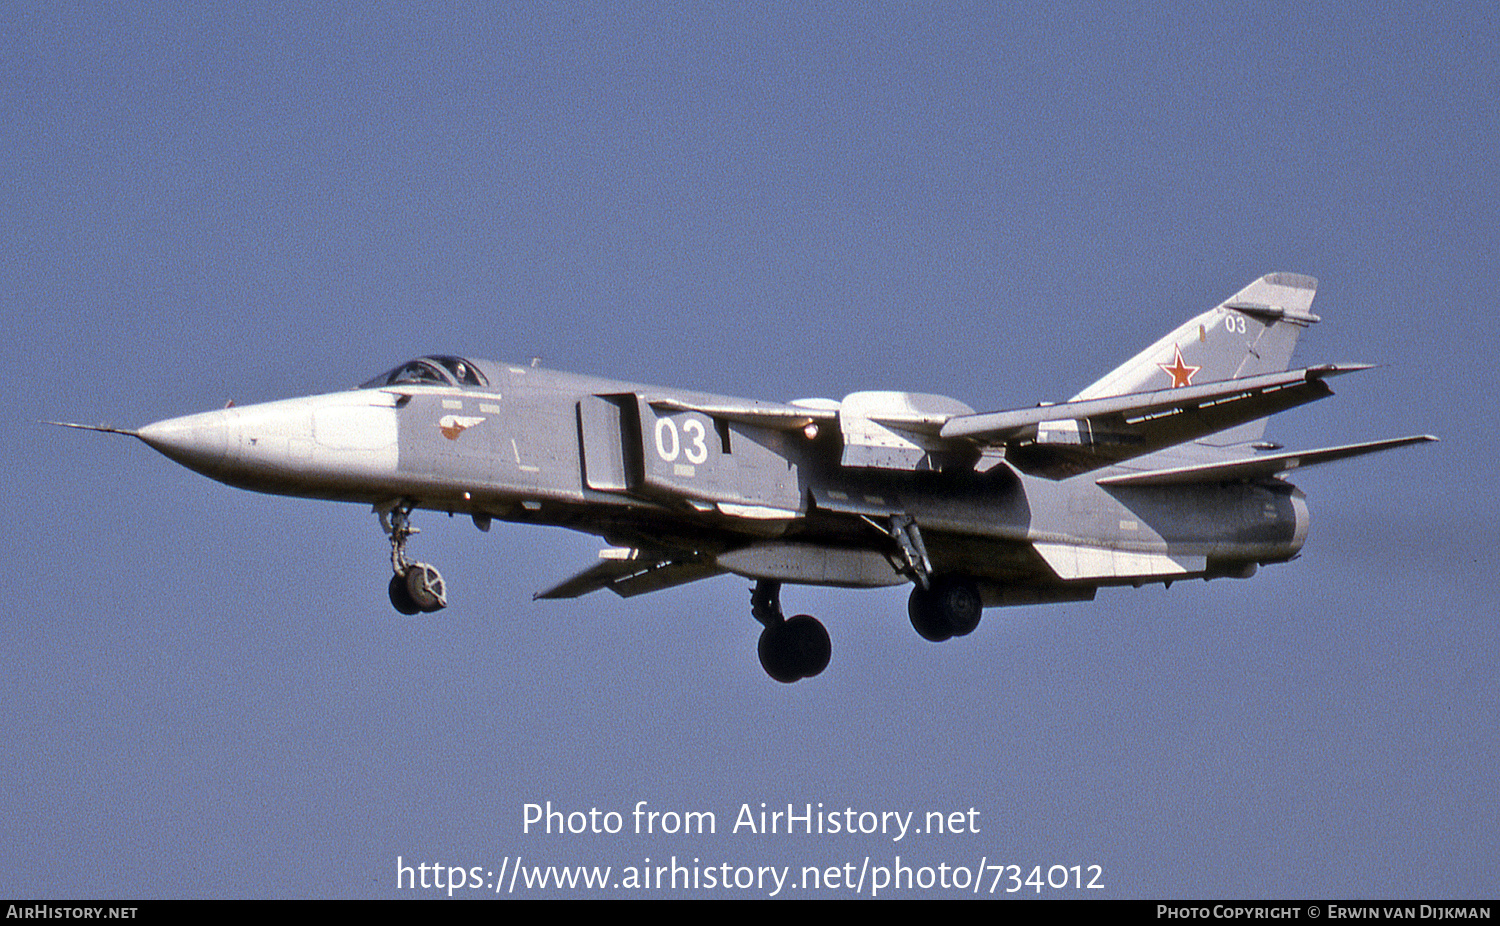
(950, 607)
(809, 640)
(960, 605)
(794, 649)
(775, 656)
(926, 618)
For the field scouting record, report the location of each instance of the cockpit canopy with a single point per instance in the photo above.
(430, 371)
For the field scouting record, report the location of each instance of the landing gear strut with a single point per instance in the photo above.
(415, 587)
(789, 649)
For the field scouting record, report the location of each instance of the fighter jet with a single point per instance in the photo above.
(1155, 473)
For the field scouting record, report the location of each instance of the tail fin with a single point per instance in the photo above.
(1251, 332)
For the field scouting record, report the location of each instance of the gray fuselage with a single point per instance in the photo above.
(607, 458)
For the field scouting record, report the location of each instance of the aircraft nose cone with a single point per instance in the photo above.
(199, 442)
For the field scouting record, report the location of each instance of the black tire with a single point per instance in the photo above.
(400, 597)
(776, 657)
(926, 619)
(959, 603)
(808, 640)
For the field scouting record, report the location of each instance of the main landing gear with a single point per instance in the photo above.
(789, 649)
(941, 606)
(415, 587)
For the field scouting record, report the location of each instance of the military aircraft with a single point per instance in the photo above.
(1157, 472)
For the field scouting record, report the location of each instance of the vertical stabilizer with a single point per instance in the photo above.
(1251, 332)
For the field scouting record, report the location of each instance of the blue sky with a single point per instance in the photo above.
(204, 692)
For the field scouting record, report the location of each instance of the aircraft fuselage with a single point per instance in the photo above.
(543, 447)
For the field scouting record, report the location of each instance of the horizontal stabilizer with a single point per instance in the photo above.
(628, 572)
(1258, 467)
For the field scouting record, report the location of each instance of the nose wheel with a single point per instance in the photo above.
(419, 590)
(415, 587)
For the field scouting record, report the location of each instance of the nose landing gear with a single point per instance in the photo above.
(415, 587)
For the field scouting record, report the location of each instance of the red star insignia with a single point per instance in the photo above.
(1181, 373)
